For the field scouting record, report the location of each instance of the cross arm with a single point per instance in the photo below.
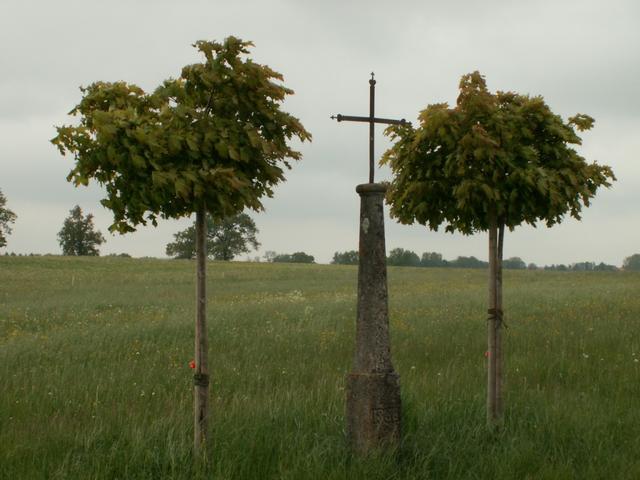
(351, 118)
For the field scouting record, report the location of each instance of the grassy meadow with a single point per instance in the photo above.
(95, 382)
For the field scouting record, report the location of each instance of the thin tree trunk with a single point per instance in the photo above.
(492, 413)
(201, 377)
(499, 327)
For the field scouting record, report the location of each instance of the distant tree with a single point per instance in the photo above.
(468, 262)
(297, 257)
(226, 238)
(6, 218)
(494, 161)
(514, 263)
(583, 267)
(233, 236)
(632, 263)
(432, 259)
(399, 257)
(77, 236)
(603, 267)
(532, 266)
(349, 257)
(269, 255)
(184, 243)
(213, 139)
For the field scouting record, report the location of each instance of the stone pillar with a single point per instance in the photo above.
(373, 388)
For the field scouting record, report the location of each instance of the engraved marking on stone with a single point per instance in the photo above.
(386, 416)
(365, 225)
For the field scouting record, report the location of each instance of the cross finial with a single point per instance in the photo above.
(371, 120)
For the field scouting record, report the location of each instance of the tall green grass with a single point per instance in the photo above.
(95, 383)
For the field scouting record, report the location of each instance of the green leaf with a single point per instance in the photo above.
(138, 161)
(192, 143)
(222, 149)
(181, 188)
(254, 138)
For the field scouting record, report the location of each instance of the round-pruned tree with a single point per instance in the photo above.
(7, 217)
(213, 140)
(495, 160)
(78, 235)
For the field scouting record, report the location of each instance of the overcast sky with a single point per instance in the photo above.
(580, 55)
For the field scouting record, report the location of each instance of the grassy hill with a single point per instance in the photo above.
(95, 381)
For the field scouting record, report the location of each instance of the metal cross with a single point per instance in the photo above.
(371, 119)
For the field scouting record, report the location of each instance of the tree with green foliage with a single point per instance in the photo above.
(78, 235)
(269, 255)
(399, 257)
(297, 257)
(349, 257)
(213, 140)
(557, 268)
(432, 259)
(226, 238)
(7, 217)
(514, 263)
(604, 267)
(583, 267)
(495, 160)
(468, 262)
(632, 263)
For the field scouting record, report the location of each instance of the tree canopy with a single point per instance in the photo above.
(226, 238)
(504, 155)
(7, 217)
(78, 235)
(214, 136)
(467, 262)
(297, 257)
(432, 259)
(514, 263)
(632, 262)
(399, 257)
(349, 257)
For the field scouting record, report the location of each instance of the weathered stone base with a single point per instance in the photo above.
(373, 411)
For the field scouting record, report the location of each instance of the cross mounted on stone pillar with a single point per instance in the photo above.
(373, 403)
(371, 120)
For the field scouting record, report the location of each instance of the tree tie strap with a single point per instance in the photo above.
(201, 380)
(498, 315)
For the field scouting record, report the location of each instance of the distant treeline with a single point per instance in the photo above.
(297, 257)
(13, 254)
(399, 257)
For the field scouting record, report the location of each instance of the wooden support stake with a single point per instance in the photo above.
(201, 377)
(491, 325)
(499, 328)
(494, 327)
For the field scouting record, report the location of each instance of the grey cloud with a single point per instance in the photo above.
(580, 55)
